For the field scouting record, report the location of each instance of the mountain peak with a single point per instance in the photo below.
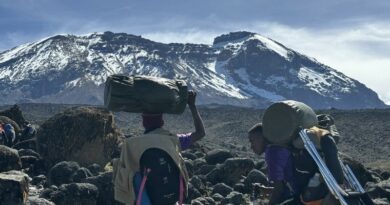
(232, 36)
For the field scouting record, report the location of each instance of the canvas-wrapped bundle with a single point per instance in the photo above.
(145, 94)
(282, 120)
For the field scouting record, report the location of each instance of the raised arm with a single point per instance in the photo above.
(198, 123)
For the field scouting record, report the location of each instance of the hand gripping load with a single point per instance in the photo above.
(353, 193)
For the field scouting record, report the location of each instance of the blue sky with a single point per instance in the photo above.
(352, 36)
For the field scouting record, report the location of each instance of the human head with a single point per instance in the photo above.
(152, 121)
(256, 138)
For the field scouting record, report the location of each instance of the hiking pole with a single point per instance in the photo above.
(328, 177)
(353, 183)
(364, 196)
(354, 179)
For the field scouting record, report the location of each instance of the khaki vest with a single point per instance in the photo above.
(128, 163)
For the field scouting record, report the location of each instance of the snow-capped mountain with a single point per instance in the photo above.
(240, 68)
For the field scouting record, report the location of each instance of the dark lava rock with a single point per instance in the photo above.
(255, 176)
(28, 152)
(198, 184)
(81, 174)
(13, 187)
(95, 169)
(188, 155)
(26, 144)
(193, 193)
(217, 156)
(222, 189)
(9, 159)
(205, 169)
(239, 187)
(231, 171)
(217, 197)
(63, 172)
(234, 198)
(379, 190)
(38, 180)
(75, 194)
(106, 189)
(38, 201)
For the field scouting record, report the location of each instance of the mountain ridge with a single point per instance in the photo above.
(239, 68)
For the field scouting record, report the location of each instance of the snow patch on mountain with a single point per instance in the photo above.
(237, 45)
(270, 44)
(314, 80)
(253, 90)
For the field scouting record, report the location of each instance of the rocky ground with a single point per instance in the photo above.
(222, 166)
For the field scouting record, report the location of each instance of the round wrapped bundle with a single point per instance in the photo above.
(145, 94)
(282, 119)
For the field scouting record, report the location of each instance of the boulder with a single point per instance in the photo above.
(193, 193)
(95, 169)
(205, 169)
(13, 187)
(379, 190)
(198, 184)
(81, 174)
(217, 156)
(255, 176)
(39, 180)
(86, 135)
(231, 171)
(75, 194)
(105, 187)
(239, 187)
(26, 144)
(234, 198)
(38, 201)
(28, 152)
(203, 201)
(188, 155)
(63, 173)
(222, 189)
(381, 201)
(9, 159)
(217, 197)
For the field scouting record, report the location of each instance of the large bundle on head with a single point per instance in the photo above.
(281, 121)
(86, 135)
(145, 94)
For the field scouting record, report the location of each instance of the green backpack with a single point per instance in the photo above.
(145, 94)
(282, 120)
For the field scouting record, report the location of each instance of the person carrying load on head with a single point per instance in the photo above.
(150, 170)
(153, 159)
